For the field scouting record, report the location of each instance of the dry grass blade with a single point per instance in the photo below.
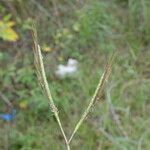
(44, 84)
(95, 97)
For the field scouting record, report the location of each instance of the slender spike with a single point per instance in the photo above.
(95, 97)
(44, 84)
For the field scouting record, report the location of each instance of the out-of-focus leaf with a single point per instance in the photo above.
(46, 48)
(23, 104)
(7, 17)
(11, 23)
(6, 31)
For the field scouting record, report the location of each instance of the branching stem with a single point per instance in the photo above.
(44, 84)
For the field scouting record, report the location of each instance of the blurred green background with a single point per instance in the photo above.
(88, 31)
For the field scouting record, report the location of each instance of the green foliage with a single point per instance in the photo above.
(86, 32)
(139, 14)
(94, 20)
(95, 25)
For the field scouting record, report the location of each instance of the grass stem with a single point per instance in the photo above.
(44, 84)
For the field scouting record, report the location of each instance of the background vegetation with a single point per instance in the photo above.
(88, 31)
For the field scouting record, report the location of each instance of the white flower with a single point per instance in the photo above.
(67, 70)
